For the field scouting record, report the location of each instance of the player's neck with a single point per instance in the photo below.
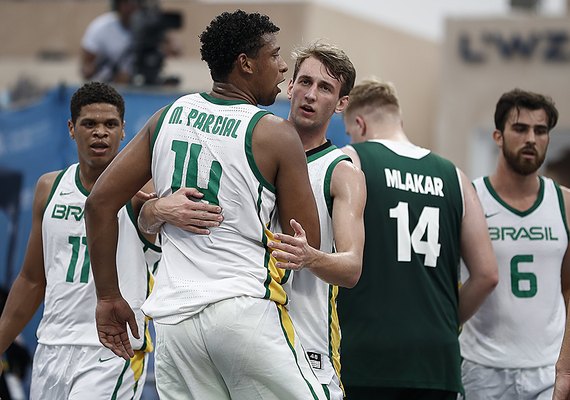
(88, 176)
(312, 140)
(392, 133)
(228, 91)
(517, 190)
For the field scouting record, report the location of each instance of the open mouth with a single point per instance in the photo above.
(99, 147)
(307, 109)
(529, 152)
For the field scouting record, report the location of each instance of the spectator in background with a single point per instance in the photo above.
(105, 47)
(111, 46)
(14, 364)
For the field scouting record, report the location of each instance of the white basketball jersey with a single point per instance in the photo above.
(521, 323)
(70, 299)
(206, 143)
(313, 301)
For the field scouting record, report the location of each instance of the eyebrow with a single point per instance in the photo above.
(523, 125)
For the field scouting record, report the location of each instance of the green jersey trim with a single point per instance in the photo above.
(144, 240)
(249, 150)
(328, 179)
(537, 203)
(562, 207)
(222, 102)
(79, 184)
(54, 186)
(321, 153)
(157, 128)
(120, 380)
(292, 348)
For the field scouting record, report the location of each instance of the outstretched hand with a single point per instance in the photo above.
(292, 252)
(112, 317)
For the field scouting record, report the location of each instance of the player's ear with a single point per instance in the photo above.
(244, 63)
(498, 137)
(290, 89)
(71, 129)
(341, 104)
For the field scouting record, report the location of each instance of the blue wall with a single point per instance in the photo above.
(34, 140)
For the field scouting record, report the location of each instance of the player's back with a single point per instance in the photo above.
(410, 272)
(206, 143)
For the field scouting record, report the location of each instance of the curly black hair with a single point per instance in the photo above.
(231, 34)
(92, 93)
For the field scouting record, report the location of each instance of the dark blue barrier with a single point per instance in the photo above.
(35, 140)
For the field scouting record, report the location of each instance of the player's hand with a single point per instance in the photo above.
(292, 252)
(561, 387)
(144, 196)
(184, 209)
(112, 316)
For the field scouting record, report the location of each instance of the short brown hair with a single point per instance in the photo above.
(517, 99)
(335, 60)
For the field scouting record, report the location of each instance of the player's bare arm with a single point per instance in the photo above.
(562, 383)
(28, 290)
(120, 181)
(183, 209)
(480, 259)
(342, 268)
(276, 139)
(565, 278)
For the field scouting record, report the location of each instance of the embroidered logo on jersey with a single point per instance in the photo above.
(102, 360)
(491, 214)
(62, 193)
(315, 360)
(62, 211)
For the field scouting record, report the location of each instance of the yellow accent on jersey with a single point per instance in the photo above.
(335, 334)
(287, 324)
(137, 363)
(276, 291)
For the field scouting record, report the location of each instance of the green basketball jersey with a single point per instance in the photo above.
(400, 323)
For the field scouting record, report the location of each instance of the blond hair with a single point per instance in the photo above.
(373, 94)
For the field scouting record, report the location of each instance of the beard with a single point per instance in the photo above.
(520, 164)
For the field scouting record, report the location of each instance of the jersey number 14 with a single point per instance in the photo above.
(428, 222)
(180, 150)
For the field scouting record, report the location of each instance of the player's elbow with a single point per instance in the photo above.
(95, 206)
(351, 281)
(352, 278)
(488, 279)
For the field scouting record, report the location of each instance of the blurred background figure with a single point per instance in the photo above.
(15, 363)
(129, 43)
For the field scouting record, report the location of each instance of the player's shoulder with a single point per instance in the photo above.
(47, 180)
(566, 196)
(45, 185)
(278, 130)
(345, 168)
